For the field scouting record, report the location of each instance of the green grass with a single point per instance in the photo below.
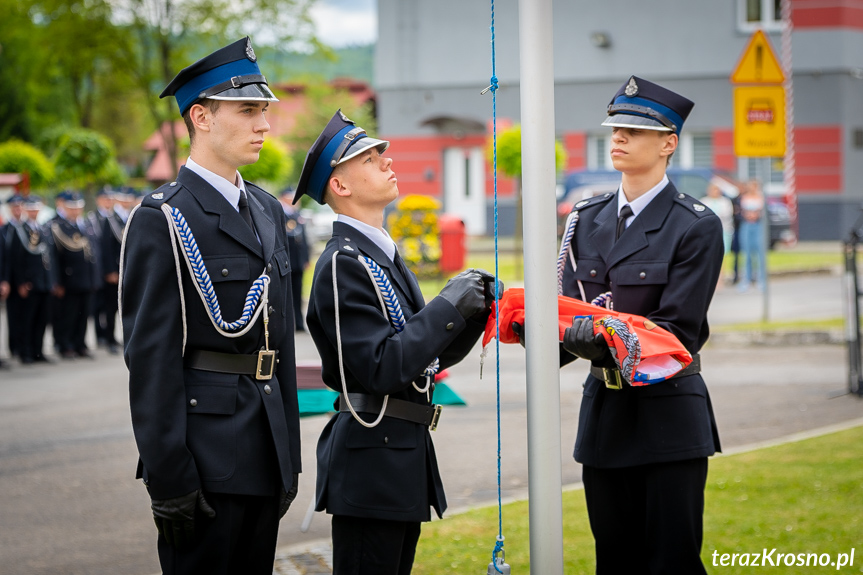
(803, 497)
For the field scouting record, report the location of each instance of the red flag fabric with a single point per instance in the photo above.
(644, 352)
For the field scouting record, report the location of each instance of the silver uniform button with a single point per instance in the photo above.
(172, 184)
(449, 326)
(642, 275)
(269, 268)
(271, 309)
(698, 207)
(681, 196)
(268, 390)
(349, 248)
(593, 273)
(225, 272)
(193, 402)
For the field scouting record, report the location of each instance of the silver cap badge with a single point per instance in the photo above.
(250, 52)
(631, 88)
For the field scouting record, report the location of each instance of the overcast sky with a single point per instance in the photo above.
(345, 22)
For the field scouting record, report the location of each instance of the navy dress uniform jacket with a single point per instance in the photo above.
(240, 435)
(78, 270)
(665, 266)
(33, 265)
(389, 471)
(111, 241)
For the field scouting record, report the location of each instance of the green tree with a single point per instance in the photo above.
(509, 152)
(19, 157)
(320, 102)
(272, 168)
(170, 34)
(509, 164)
(85, 159)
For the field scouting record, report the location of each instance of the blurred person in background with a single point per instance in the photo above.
(31, 277)
(722, 207)
(752, 244)
(298, 248)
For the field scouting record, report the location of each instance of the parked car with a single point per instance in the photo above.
(580, 185)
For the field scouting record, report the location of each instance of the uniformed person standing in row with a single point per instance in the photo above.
(380, 347)
(299, 250)
(32, 276)
(13, 300)
(96, 222)
(658, 252)
(212, 387)
(113, 225)
(76, 255)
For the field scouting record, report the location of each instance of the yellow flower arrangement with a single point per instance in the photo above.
(414, 227)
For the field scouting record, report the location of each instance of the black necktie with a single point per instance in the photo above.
(400, 265)
(243, 204)
(625, 212)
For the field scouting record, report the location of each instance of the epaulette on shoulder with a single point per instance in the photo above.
(692, 204)
(161, 195)
(594, 201)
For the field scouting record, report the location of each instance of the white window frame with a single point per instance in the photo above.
(594, 162)
(769, 22)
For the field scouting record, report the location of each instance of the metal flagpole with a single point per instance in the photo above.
(540, 277)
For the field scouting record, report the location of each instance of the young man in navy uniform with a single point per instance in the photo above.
(32, 276)
(380, 346)
(212, 377)
(76, 254)
(659, 253)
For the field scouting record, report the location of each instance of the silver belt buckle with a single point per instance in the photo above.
(266, 364)
(435, 417)
(612, 377)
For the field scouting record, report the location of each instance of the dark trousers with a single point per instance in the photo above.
(34, 320)
(297, 295)
(373, 546)
(240, 540)
(109, 313)
(13, 321)
(97, 308)
(75, 313)
(647, 519)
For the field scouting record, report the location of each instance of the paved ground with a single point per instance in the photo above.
(70, 503)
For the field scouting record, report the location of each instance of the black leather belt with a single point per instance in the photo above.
(613, 379)
(261, 364)
(427, 415)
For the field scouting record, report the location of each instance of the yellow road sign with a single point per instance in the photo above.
(759, 121)
(758, 65)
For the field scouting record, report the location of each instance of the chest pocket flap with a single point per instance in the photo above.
(590, 270)
(640, 273)
(227, 268)
(283, 261)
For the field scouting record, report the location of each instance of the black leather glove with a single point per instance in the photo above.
(288, 497)
(488, 281)
(466, 292)
(175, 518)
(580, 341)
(518, 330)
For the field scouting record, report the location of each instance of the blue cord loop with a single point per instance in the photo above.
(202, 277)
(394, 308)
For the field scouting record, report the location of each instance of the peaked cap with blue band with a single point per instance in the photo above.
(230, 73)
(340, 141)
(644, 105)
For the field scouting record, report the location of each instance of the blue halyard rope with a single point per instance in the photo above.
(493, 86)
